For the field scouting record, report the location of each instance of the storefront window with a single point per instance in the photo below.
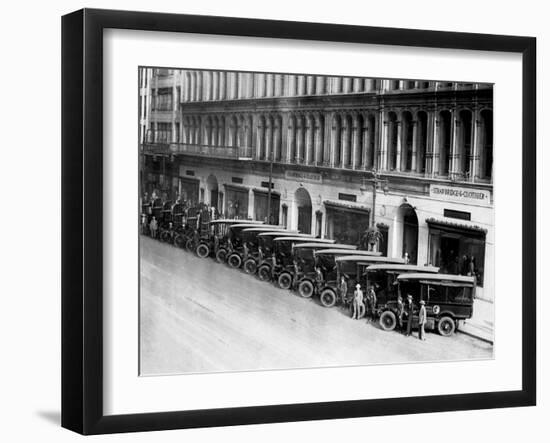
(236, 201)
(457, 251)
(346, 226)
(260, 207)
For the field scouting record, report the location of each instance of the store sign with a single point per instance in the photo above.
(461, 195)
(304, 176)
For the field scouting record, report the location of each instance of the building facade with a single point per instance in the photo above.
(214, 137)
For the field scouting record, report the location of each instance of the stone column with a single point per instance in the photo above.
(398, 145)
(318, 140)
(455, 154)
(320, 85)
(284, 137)
(475, 150)
(250, 203)
(434, 144)
(383, 157)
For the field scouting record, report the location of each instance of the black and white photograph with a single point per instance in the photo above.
(294, 221)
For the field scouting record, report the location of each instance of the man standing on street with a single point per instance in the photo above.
(421, 320)
(409, 309)
(400, 312)
(358, 305)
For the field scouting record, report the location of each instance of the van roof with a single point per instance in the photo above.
(269, 228)
(281, 233)
(300, 238)
(247, 225)
(339, 251)
(325, 245)
(400, 267)
(365, 259)
(438, 277)
(233, 221)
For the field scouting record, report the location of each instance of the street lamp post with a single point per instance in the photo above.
(373, 234)
(269, 185)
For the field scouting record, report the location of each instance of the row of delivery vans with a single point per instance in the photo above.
(314, 267)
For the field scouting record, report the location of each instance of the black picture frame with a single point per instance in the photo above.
(82, 216)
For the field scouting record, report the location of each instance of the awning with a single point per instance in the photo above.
(341, 204)
(457, 225)
(265, 191)
(234, 187)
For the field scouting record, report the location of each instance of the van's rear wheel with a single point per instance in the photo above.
(285, 280)
(250, 266)
(221, 255)
(190, 245)
(328, 298)
(264, 273)
(306, 289)
(388, 321)
(446, 326)
(234, 261)
(180, 241)
(203, 250)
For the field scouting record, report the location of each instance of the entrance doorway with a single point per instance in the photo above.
(213, 195)
(303, 206)
(407, 220)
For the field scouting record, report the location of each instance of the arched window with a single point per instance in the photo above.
(444, 142)
(464, 142)
(407, 141)
(421, 141)
(486, 145)
(335, 143)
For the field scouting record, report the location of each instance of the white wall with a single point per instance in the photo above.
(30, 222)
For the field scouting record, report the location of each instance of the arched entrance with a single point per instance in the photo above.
(303, 209)
(407, 232)
(212, 191)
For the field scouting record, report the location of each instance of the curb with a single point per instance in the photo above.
(470, 334)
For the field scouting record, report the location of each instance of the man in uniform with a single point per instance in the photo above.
(343, 290)
(358, 304)
(422, 320)
(400, 311)
(318, 278)
(409, 310)
(373, 303)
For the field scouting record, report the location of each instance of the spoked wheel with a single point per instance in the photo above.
(203, 250)
(221, 255)
(165, 236)
(306, 289)
(190, 245)
(328, 298)
(388, 321)
(250, 266)
(264, 273)
(285, 280)
(446, 326)
(234, 261)
(180, 241)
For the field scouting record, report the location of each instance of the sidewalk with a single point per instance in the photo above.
(482, 322)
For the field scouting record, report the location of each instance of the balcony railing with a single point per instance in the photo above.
(231, 152)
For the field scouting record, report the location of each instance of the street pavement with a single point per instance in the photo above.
(197, 315)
